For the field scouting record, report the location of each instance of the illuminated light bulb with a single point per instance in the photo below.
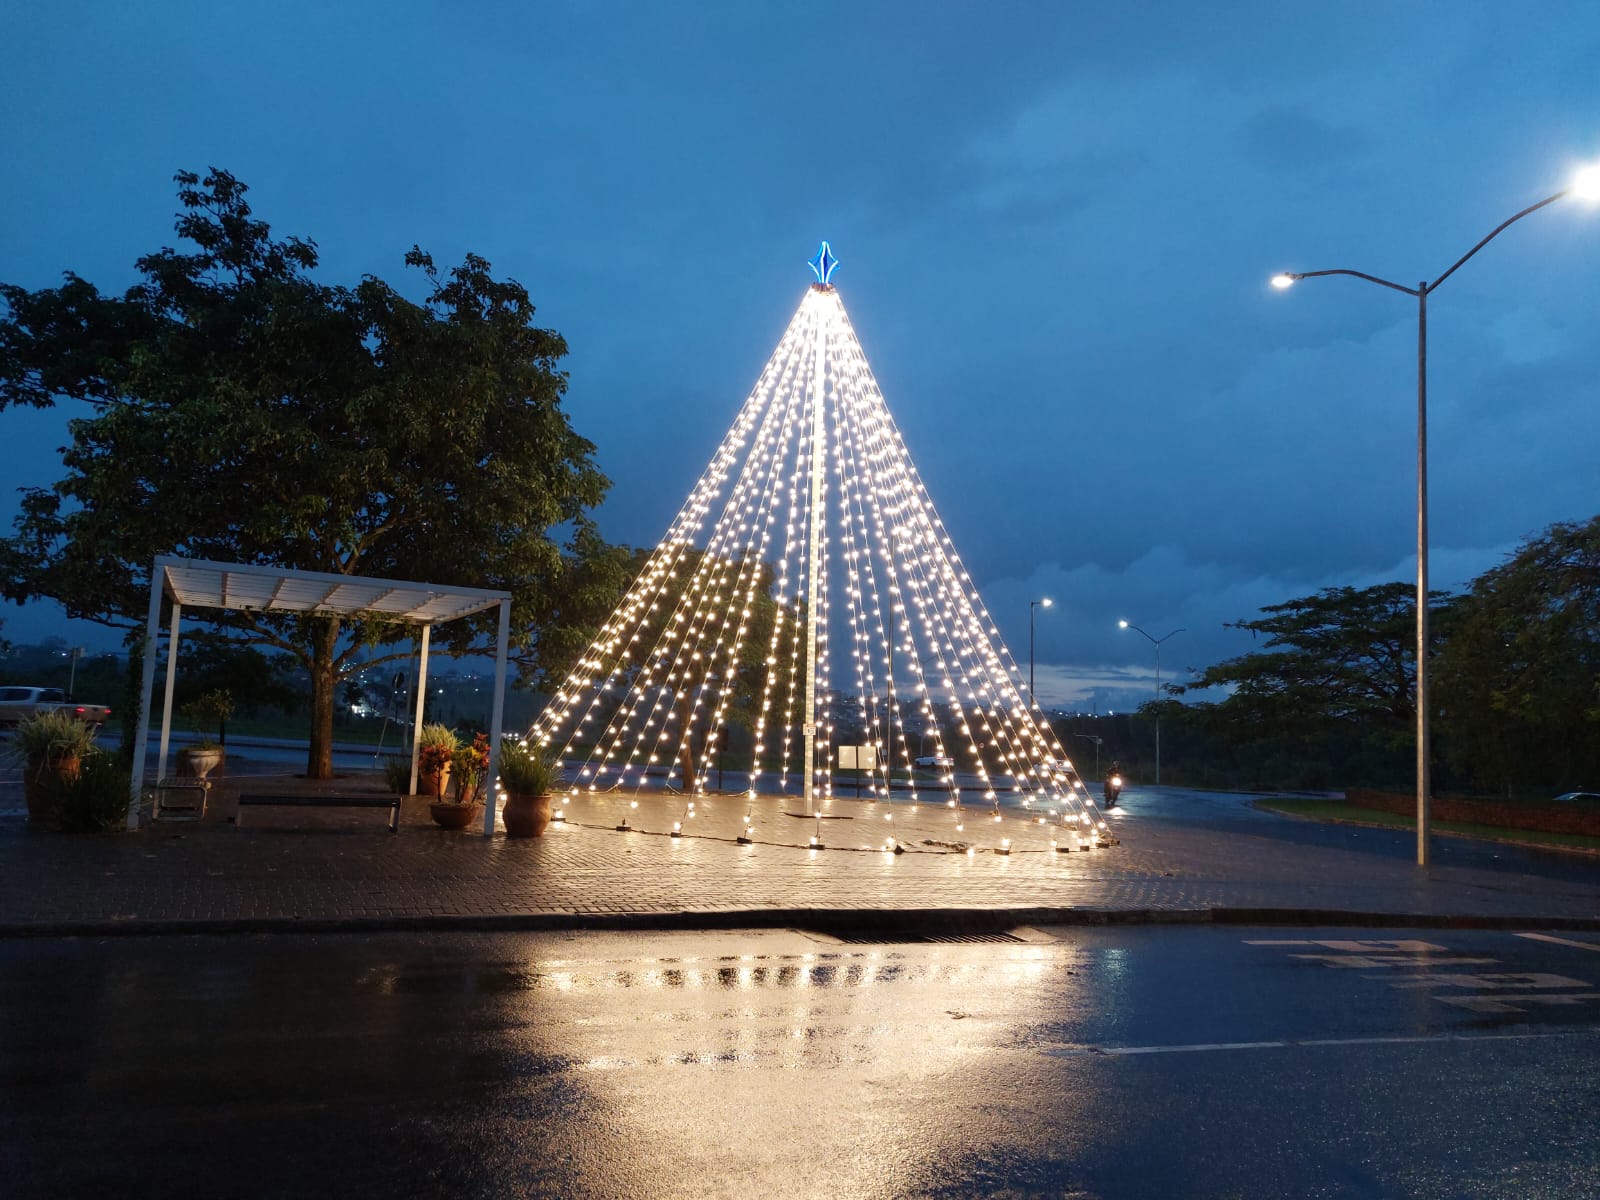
(1585, 184)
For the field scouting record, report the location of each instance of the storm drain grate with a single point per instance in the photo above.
(907, 939)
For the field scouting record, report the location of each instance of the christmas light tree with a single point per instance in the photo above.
(810, 530)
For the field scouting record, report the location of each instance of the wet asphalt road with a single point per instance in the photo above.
(1234, 811)
(1147, 1061)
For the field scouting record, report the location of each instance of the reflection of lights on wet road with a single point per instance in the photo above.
(827, 971)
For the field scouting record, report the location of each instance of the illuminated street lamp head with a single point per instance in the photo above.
(1283, 279)
(823, 265)
(1586, 183)
(1047, 602)
(1122, 624)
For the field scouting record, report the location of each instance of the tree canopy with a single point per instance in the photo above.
(1519, 677)
(1515, 668)
(1344, 657)
(239, 409)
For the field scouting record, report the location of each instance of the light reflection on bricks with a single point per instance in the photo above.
(341, 865)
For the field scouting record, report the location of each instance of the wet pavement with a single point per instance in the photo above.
(1090, 1063)
(1183, 856)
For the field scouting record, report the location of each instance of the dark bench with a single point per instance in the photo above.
(320, 800)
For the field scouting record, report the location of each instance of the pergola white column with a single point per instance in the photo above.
(491, 789)
(141, 738)
(422, 699)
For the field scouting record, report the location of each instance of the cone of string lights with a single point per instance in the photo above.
(807, 597)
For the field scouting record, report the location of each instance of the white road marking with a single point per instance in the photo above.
(1209, 1047)
(1545, 937)
(1395, 960)
(1487, 982)
(1403, 946)
(1510, 1004)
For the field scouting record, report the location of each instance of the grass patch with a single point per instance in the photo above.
(297, 728)
(1349, 814)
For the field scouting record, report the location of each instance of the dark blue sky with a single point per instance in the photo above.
(1056, 223)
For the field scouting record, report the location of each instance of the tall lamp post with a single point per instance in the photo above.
(1156, 642)
(1096, 739)
(1046, 602)
(1586, 185)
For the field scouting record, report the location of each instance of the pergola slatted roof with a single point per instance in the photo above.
(196, 583)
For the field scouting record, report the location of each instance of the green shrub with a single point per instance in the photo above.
(397, 775)
(97, 800)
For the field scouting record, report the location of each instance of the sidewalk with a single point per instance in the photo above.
(339, 869)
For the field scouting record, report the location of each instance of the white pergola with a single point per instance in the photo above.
(248, 587)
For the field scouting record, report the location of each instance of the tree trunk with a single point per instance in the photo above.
(324, 641)
(686, 724)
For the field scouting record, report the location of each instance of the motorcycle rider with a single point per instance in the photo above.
(1113, 784)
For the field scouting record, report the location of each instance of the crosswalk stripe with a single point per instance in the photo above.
(1545, 937)
(1205, 1047)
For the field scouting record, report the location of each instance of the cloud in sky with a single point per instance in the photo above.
(1056, 223)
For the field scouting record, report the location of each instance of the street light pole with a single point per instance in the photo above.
(1046, 602)
(1096, 739)
(1156, 642)
(1586, 185)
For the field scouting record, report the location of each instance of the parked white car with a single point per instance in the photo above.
(17, 704)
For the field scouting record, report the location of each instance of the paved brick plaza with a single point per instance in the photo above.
(336, 868)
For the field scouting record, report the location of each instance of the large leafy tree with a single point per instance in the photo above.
(240, 409)
(1519, 678)
(1344, 658)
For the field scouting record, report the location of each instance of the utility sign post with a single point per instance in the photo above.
(858, 759)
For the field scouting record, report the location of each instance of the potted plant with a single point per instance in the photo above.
(528, 774)
(52, 745)
(206, 754)
(468, 766)
(436, 746)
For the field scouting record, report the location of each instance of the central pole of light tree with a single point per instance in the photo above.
(814, 524)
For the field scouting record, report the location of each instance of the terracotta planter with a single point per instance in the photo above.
(454, 816)
(41, 785)
(525, 815)
(434, 784)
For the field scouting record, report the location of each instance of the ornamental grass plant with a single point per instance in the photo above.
(52, 736)
(525, 770)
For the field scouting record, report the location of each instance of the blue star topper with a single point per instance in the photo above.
(824, 264)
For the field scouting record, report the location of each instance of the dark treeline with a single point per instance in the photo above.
(1329, 698)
